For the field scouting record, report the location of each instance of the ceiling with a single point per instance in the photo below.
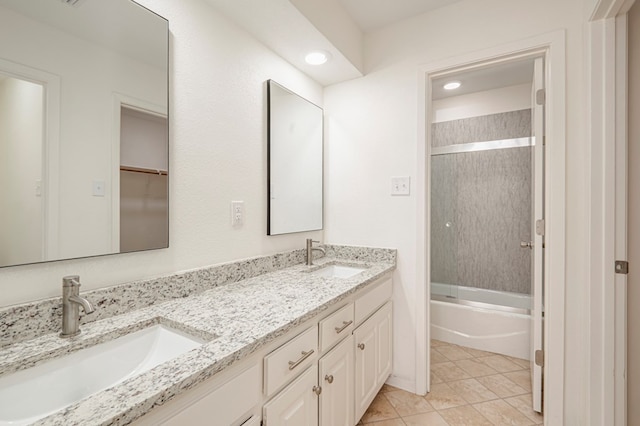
(293, 27)
(371, 15)
(487, 78)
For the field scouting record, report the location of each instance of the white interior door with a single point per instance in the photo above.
(537, 308)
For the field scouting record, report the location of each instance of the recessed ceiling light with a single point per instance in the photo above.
(317, 57)
(452, 85)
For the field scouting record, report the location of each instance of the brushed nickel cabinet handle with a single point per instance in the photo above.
(305, 355)
(317, 390)
(345, 324)
(361, 346)
(329, 378)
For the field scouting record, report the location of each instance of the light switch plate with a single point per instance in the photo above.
(400, 185)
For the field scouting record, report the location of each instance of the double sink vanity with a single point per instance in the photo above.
(268, 340)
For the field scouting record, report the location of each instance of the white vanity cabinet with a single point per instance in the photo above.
(230, 400)
(373, 357)
(325, 372)
(297, 404)
(336, 379)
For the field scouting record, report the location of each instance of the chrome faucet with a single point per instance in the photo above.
(71, 302)
(310, 249)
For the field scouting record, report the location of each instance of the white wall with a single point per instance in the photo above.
(504, 99)
(217, 154)
(21, 209)
(372, 127)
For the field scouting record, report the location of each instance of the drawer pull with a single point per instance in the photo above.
(345, 324)
(317, 390)
(329, 378)
(361, 346)
(305, 355)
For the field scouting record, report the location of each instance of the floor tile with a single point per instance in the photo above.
(442, 397)
(500, 413)
(426, 419)
(448, 371)
(435, 379)
(388, 388)
(454, 353)
(523, 363)
(391, 422)
(380, 409)
(477, 353)
(523, 403)
(468, 387)
(437, 357)
(500, 363)
(472, 391)
(521, 378)
(406, 403)
(475, 368)
(501, 386)
(464, 416)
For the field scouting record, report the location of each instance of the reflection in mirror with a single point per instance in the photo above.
(83, 129)
(295, 149)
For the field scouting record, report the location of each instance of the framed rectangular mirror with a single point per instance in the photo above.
(295, 162)
(83, 129)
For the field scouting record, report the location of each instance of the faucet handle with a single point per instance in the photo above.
(71, 281)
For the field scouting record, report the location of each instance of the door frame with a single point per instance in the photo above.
(607, 80)
(123, 101)
(50, 150)
(552, 47)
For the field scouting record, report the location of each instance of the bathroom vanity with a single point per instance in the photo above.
(282, 343)
(324, 372)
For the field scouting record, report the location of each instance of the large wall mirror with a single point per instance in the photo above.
(294, 162)
(83, 129)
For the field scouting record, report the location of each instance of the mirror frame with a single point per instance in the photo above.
(270, 143)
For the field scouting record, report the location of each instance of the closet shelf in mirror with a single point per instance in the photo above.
(143, 170)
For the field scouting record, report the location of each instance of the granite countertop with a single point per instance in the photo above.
(235, 319)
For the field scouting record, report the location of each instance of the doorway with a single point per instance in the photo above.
(550, 48)
(486, 174)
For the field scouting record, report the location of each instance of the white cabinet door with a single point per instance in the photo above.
(295, 405)
(384, 343)
(373, 357)
(336, 379)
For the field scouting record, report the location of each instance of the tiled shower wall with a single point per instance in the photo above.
(481, 205)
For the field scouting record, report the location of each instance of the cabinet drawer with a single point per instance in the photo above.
(336, 327)
(290, 359)
(371, 301)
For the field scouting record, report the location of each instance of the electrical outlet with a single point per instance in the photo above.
(237, 213)
(400, 185)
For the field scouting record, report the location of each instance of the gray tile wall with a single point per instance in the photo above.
(481, 205)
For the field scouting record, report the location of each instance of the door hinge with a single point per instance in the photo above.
(541, 96)
(540, 227)
(622, 267)
(539, 358)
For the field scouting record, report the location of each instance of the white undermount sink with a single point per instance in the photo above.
(34, 393)
(338, 271)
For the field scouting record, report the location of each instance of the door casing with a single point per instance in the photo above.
(552, 47)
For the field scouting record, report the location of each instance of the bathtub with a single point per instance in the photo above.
(487, 320)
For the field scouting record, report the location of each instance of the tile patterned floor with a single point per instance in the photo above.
(468, 387)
